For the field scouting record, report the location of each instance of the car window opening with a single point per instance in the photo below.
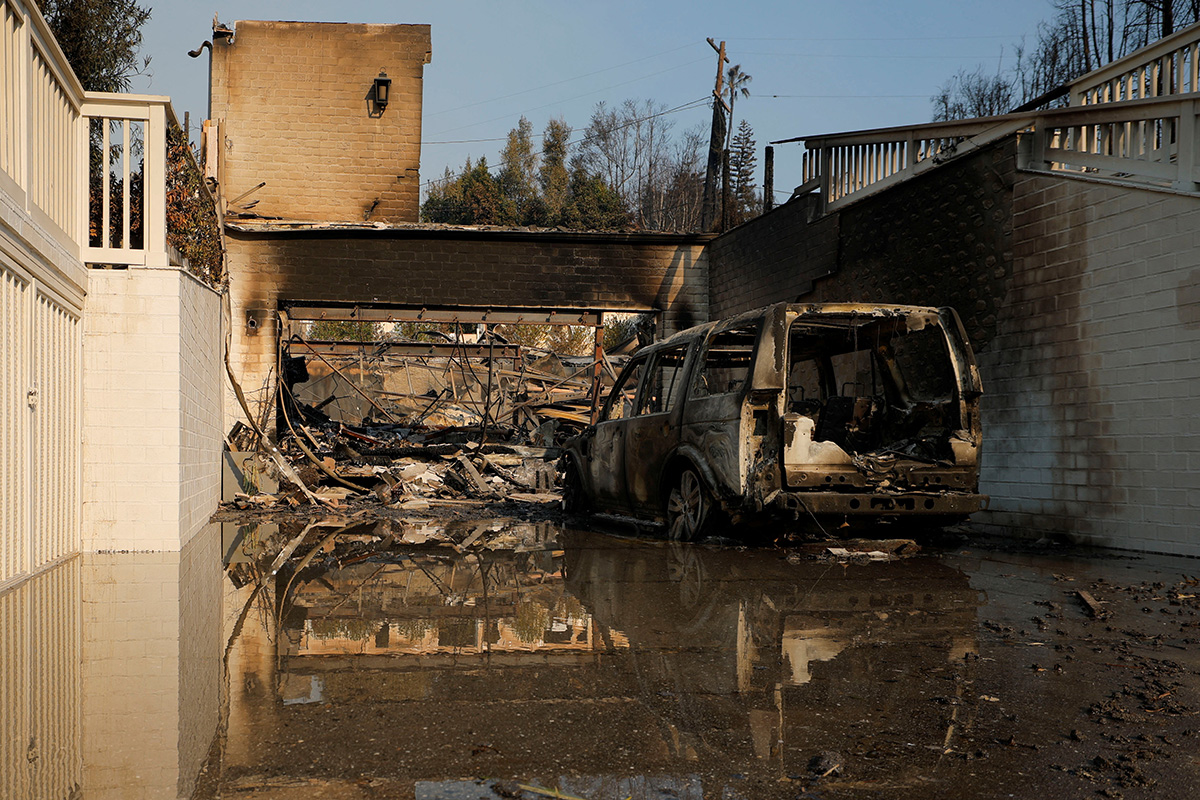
(875, 386)
(727, 362)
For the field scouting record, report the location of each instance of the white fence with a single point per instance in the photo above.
(1151, 142)
(1167, 67)
(128, 172)
(1134, 120)
(41, 138)
(844, 165)
(42, 282)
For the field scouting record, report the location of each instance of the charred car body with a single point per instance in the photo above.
(847, 410)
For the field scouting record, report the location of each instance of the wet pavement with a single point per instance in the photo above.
(502, 659)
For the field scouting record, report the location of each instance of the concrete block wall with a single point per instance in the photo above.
(666, 273)
(1094, 377)
(777, 256)
(201, 377)
(152, 414)
(1081, 300)
(291, 100)
(942, 239)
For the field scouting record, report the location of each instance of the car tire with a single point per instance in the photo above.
(574, 498)
(689, 507)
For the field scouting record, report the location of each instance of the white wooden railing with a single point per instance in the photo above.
(1150, 142)
(40, 126)
(1134, 120)
(848, 166)
(128, 139)
(1169, 66)
(46, 163)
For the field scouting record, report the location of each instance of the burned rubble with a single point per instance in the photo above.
(479, 429)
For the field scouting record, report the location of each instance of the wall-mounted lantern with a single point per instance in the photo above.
(382, 90)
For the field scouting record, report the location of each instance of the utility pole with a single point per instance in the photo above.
(769, 180)
(708, 213)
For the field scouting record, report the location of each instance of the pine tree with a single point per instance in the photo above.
(742, 164)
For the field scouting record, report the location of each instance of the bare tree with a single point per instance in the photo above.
(632, 149)
(1083, 36)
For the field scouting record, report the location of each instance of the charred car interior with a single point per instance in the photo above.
(851, 411)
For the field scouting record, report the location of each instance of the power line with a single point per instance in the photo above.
(569, 99)
(559, 83)
(954, 38)
(683, 107)
(860, 56)
(841, 96)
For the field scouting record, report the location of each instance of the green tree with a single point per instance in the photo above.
(553, 177)
(742, 164)
(344, 331)
(101, 40)
(593, 204)
(518, 176)
(473, 197)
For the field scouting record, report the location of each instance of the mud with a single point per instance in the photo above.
(511, 658)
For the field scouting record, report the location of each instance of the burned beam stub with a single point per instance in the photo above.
(466, 315)
(415, 349)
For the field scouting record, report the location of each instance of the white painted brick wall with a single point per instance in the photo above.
(152, 409)
(1091, 385)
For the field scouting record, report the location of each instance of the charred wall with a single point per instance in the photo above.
(1080, 298)
(941, 239)
(448, 267)
(1092, 381)
(292, 102)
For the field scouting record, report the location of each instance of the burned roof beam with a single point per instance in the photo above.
(467, 316)
(414, 350)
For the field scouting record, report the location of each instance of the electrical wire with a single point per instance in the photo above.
(559, 83)
(569, 99)
(684, 107)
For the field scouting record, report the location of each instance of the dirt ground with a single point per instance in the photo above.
(502, 651)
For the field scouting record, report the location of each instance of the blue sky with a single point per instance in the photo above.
(816, 67)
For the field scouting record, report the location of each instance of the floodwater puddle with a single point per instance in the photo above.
(496, 659)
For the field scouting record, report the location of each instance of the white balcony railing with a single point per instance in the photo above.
(87, 170)
(1151, 141)
(40, 125)
(1170, 66)
(126, 171)
(1134, 120)
(847, 166)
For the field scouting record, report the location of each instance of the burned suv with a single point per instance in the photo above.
(842, 411)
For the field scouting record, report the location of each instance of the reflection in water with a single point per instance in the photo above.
(109, 674)
(351, 660)
(40, 686)
(602, 667)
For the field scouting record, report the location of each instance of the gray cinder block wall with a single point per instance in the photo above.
(1082, 300)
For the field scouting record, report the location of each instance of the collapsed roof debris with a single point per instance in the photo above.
(421, 424)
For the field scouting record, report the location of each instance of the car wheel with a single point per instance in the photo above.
(688, 507)
(574, 498)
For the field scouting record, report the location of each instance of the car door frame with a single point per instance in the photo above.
(652, 438)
